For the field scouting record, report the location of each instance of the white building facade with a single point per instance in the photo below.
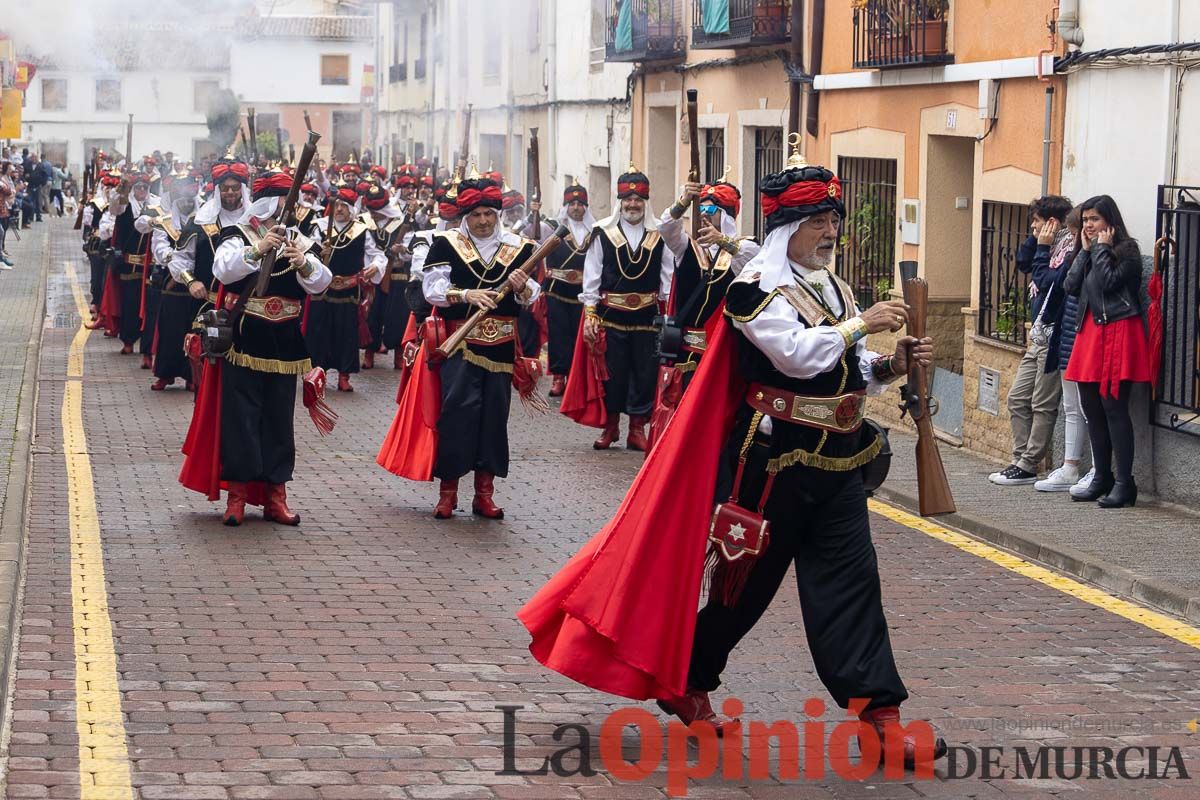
(1129, 134)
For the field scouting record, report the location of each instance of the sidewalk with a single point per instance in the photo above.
(1151, 552)
(22, 304)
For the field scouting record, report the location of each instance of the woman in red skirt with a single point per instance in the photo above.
(1112, 351)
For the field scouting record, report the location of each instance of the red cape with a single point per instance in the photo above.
(665, 401)
(201, 449)
(620, 615)
(583, 399)
(410, 447)
(108, 315)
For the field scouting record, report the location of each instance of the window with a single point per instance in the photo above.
(108, 94)
(714, 154)
(598, 27)
(494, 24)
(54, 94)
(492, 153)
(867, 254)
(535, 25)
(768, 158)
(203, 93)
(335, 70)
(1003, 288)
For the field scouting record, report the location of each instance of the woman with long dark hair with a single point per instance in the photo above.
(1112, 351)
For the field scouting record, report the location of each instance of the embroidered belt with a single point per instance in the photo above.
(131, 276)
(137, 261)
(340, 282)
(695, 340)
(841, 413)
(629, 301)
(567, 275)
(270, 308)
(491, 330)
(399, 275)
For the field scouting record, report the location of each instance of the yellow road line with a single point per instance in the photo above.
(103, 756)
(1161, 623)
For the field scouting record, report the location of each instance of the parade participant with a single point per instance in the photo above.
(626, 273)
(512, 206)
(514, 218)
(705, 267)
(155, 275)
(93, 245)
(132, 251)
(389, 313)
(564, 282)
(242, 436)
(180, 302)
(419, 243)
(464, 270)
(332, 317)
(621, 616)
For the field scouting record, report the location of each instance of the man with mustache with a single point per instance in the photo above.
(773, 425)
(626, 274)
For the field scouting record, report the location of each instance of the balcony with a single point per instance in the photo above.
(644, 30)
(397, 73)
(900, 33)
(747, 23)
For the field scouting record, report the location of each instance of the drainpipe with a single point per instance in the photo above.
(1051, 48)
(818, 53)
(552, 96)
(1068, 23)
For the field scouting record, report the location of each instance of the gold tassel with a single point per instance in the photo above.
(268, 364)
(829, 463)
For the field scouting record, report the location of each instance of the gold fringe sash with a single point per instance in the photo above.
(483, 362)
(828, 463)
(269, 364)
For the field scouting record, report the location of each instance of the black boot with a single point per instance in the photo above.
(1102, 484)
(1123, 494)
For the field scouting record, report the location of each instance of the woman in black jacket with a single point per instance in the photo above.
(1111, 348)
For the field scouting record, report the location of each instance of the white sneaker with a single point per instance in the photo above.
(4, 266)
(1081, 487)
(1061, 480)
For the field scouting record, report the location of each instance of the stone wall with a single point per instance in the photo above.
(985, 433)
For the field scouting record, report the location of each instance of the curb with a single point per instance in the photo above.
(20, 490)
(1118, 580)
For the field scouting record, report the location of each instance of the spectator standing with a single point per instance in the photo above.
(35, 178)
(57, 176)
(1112, 349)
(47, 168)
(8, 194)
(1062, 311)
(1034, 396)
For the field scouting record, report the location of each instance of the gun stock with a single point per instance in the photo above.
(694, 173)
(466, 142)
(933, 488)
(529, 267)
(129, 144)
(253, 140)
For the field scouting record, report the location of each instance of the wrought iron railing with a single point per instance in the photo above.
(768, 158)
(900, 33)
(747, 22)
(1003, 288)
(867, 252)
(643, 30)
(1177, 396)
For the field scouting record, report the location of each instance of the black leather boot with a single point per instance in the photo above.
(1122, 495)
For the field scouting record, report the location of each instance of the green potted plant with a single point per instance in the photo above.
(887, 26)
(770, 17)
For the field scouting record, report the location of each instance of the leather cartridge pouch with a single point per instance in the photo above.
(216, 332)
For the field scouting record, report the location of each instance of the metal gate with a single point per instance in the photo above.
(867, 248)
(768, 158)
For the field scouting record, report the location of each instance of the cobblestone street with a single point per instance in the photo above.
(364, 654)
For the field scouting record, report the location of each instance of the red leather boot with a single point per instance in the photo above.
(447, 500)
(696, 707)
(611, 432)
(637, 434)
(879, 719)
(235, 504)
(482, 505)
(276, 509)
(368, 360)
(398, 358)
(344, 383)
(557, 386)
(147, 362)
(127, 349)
(160, 384)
